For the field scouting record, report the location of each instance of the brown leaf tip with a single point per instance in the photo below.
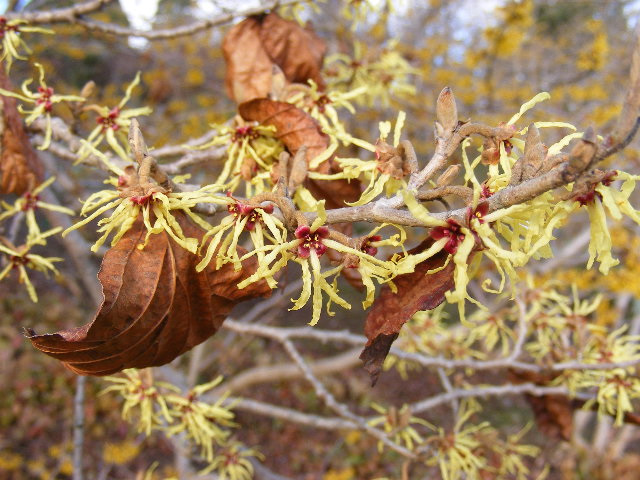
(374, 354)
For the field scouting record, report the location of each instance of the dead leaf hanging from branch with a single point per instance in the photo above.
(416, 291)
(20, 167)
(156, 306)
(253, 46)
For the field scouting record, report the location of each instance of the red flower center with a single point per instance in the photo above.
(4, 27)
(109, 121)
(239, 210)
(453, 232)
(243, 132)
(45, 98)
(367, 247)
(311, 240)
(322, 102)
(31, 202)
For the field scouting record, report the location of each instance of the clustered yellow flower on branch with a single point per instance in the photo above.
(160, 406)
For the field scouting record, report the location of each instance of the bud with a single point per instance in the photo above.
(88, 89)
(446, 112)
(534, 153)
(298, 169)
(582, 154)
(278, 83)
(490, 151)
(448, 176)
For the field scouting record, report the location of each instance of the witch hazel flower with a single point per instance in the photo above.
(257, 220)
(311, 240)
(252, 150)
(27, 204)
(113, 124)
(20, 259)
(309, 244)
(10, 31)
(43, 99)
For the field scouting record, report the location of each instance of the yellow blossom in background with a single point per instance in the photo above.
(21, 259)
(120, 453)
(10, 461)
(113, 124)
(10, 31)
(43, 100)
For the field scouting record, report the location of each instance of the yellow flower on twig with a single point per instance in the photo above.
(28, 203)
(11, 42)
(113, 124)
(43, 99)
(19, 258)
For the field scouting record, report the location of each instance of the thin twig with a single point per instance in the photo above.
(78, 427)
(191, 29)
(60, 15)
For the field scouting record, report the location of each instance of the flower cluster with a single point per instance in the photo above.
(251, 151)
(309, 244)
(20, 259)
(385, 74)
(155, 405)
(27, 204)
(113, 124)
(43, 100)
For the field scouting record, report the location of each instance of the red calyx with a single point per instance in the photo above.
(590, 196)
(110, 120)
(142, 199)
(31, 202)
(311, 240)
(322, 101)
(45, 98)
(453, 232)
(367, 247)
(244, 132)
(479, 212)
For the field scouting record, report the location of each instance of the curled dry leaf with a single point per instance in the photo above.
(252, 47)
(416, 291)
(298, 51)
(20, 167)
(248, 73)
(156, 306)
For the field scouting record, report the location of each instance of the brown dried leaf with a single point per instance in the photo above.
(249, 67)
(553, 413)
(256, 44)
(298, 51)
(416, 291)
(156, 306)
(294, 127)
(20, 167)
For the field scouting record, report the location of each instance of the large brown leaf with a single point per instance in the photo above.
(294, 127)
(20, 167)
(253, 46)
(416, 291)
(298, 51)
(156, 306)
(249, 67)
